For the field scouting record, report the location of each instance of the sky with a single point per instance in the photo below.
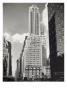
(15, 17)
(16, 27)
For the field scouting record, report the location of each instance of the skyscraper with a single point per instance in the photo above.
(35, 58)
(33, 50)
(56, 38)
(34, 20)
(53, 44)
(7, 63)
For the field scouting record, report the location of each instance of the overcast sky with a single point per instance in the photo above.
(15, 26)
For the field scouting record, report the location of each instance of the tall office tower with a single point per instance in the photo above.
(35, 58)
(7, 64)
(32, 52)
(34, 20)
(5, 58)
(53, 44)
(56, 31)
(10, 58)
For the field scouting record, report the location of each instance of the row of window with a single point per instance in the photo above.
(33, 58)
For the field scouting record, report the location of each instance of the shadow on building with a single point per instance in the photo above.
(56, 62)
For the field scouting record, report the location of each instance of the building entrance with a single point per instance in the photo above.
(33, 72)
